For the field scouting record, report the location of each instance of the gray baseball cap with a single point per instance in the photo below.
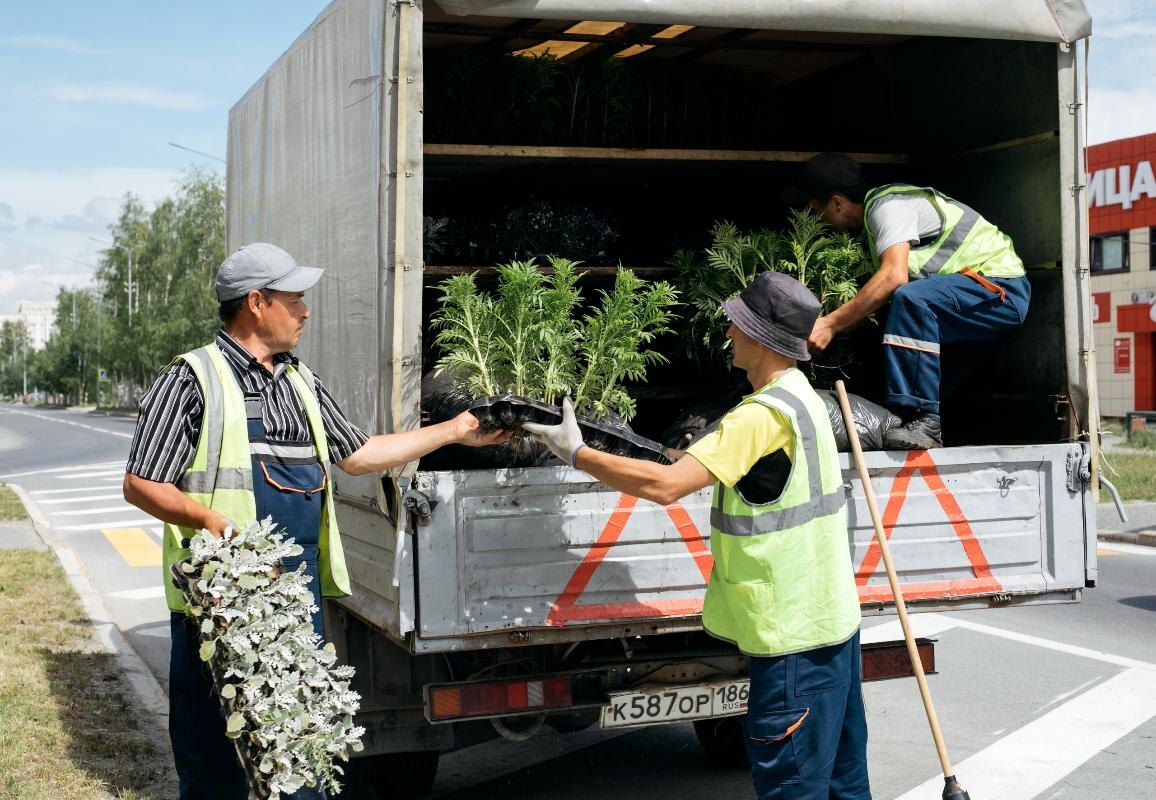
(261, 265)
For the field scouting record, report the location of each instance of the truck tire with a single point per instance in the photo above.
(394, 776)
(723, 741)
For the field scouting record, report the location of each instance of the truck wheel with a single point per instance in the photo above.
(723, 741)
(405, 776)
(394, 776)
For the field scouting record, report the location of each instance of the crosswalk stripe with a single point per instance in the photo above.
(77, 468)
(96, 526)
(119, 473)
(76, 512)
(39, 492)
(146, 593)
(81, 499)
(135, 546)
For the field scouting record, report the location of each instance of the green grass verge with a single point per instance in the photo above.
(69, 730)
(10, 505)
(1137, 475)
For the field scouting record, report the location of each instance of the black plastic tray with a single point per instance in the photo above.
(509, 411)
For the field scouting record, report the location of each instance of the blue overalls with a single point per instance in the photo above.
(941, 309)
(288, 485)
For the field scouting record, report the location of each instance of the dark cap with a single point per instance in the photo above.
(822, 175)
(776, 311)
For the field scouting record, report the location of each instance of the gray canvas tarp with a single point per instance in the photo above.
(1035, 20)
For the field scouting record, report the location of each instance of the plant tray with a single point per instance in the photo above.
(509, 411)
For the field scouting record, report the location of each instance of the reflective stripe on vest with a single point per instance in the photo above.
(818, 504)
(221, 473)
(965, 239)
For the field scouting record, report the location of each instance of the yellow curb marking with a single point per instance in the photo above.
(135, 546)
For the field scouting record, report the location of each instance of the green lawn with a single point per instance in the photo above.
(69, 730)
(10, 505)
(1133, 474)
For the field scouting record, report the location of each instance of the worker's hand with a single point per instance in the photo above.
(821, 335)
(215, 523)
(563, 440)
(468, 431)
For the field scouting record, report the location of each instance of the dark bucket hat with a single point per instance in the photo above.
(824, 174)
(776, 311)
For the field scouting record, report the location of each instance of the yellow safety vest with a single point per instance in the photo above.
(965, 239)
(220, 476)
(782, 580)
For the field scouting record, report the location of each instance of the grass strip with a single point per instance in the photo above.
(69, 730)
(1137, 475)
(10, 506)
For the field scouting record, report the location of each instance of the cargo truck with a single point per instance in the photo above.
(496, 601)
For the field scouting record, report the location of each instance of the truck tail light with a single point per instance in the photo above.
(497, 698)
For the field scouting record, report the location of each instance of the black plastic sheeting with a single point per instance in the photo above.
(508, 411)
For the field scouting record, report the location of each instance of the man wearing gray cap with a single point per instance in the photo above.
(236, 431)
(782, 588)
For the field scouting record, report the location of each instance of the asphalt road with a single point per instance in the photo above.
(1035, 702)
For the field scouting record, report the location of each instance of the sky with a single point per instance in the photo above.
(92, 93)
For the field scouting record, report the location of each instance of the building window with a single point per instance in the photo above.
(1110, 252)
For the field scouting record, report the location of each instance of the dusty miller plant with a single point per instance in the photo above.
(829, 264)
(528, 338)
(288, 705)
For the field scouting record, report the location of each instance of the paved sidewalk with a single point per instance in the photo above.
(20, 535)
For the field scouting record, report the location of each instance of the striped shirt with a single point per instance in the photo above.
(172, 409)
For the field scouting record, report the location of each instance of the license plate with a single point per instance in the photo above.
(651, 705)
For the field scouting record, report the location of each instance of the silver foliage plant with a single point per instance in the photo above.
(289, 706)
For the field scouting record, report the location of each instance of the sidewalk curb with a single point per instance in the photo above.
(1143, 538)
(107, 635)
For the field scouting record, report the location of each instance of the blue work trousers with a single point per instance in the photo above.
(206, 760)
(941, 309)
(806, 730)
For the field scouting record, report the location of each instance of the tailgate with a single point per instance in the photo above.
(551, 549)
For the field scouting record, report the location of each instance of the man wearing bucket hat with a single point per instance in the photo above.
(950, 275)
(782, 588)
(236, 431)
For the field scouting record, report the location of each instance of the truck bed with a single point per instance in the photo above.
(549, 554)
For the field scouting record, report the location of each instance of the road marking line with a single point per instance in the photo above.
(119, 473)
(69, 491)
(82, 499)
(77, 512)
(146, 593)
(96, 526)
(927, 625)
(1062, 647)
(1025, 763)
(135, 546)
(80, 467)
(66, 422)
(1125, 547)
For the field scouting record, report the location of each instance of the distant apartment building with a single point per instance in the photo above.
(38, 318)
(1122, 225)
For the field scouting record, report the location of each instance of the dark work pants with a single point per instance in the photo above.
(806, 730)
(928, 312)
(206, 760)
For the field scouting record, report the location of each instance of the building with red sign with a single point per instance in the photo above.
(1122, 224)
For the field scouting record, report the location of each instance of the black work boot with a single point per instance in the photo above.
(922, 432)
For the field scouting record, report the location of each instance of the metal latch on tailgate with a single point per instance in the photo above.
(1079, 468)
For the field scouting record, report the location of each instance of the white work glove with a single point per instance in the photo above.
(564, 440)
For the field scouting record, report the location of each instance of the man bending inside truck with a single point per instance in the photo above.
(951, 276)
(234, 432)
(782, 588)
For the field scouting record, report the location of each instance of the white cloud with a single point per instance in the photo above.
(55, 212)
(1121, 113)
(60, 44)
(115, 94)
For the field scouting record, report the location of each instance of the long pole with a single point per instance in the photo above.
(952, 790)
(129, 251)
